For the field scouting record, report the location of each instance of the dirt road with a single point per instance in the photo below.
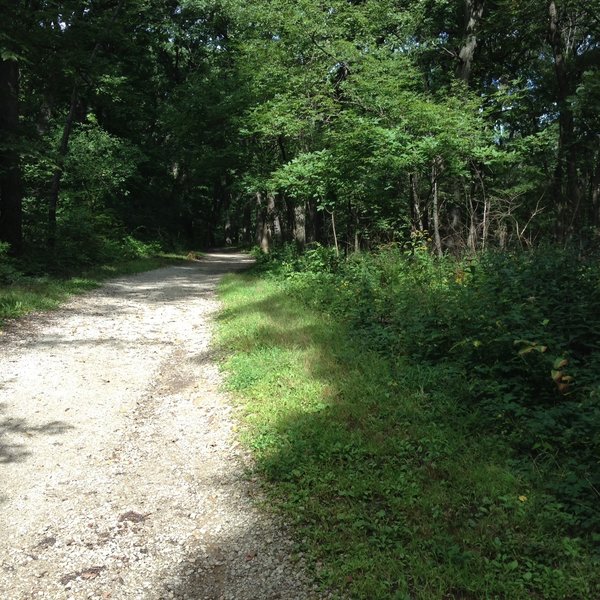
(119, 474)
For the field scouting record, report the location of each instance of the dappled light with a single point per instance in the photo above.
(16, 433)
(415, 359)
(120, 469)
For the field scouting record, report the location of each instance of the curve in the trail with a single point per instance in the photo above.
(119, 474)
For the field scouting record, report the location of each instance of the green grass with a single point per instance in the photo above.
(29, 294)
(379, 466)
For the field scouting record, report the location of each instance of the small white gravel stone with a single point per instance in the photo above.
(120, 475)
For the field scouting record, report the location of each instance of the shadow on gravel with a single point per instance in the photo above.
(191, 280)
(14, 431)
(239, 564)
(195, 279)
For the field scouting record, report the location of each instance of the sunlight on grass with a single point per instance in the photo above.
(376, 465)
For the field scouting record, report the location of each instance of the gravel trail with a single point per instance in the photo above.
(119, 474)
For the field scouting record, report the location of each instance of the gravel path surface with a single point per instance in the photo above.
(119, 474)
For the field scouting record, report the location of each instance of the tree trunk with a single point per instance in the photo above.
(64, 142)
(473, 14)
(417, 213)
(312, 222)
(285, 215)
(228, 230)
(435, 207)
(595, 196)
(565, 185)
(263, 234)
(58, 170)
(485, 220)
(335, 239)
(300, 224)
(274, 219)
(265, 221)
(246, 232)
(473, 220)
(11, 189)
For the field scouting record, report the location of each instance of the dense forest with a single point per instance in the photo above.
(426, 172)
(346, 123)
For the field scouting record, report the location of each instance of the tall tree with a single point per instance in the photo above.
(11, 190)
(473, 14)
(63, 146)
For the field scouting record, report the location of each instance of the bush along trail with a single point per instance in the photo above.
(430, 426)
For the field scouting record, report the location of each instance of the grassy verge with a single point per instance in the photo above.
(28, 294)
(379, 465)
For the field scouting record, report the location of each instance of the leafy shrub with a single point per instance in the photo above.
(522, 330)
(130, 247)
(288, 259)
(8, 269)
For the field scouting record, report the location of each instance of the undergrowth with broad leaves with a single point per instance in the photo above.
(431, 426)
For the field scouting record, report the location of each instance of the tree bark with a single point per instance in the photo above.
(335, 239)
(265, 218)
(313, 222)
(435, 207)
(473, 208)
(415, 205)
(595, 196)
(300, 224)
(11, 189)
(485, 219)
(566, 186)
(274, 219)
(246, 231)
(58, 170)
(473, 15)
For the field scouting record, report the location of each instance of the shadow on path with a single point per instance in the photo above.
(14, 431)
(194, 279)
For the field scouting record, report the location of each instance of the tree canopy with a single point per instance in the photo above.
(349, 122)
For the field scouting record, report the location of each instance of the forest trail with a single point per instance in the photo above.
(119, 474)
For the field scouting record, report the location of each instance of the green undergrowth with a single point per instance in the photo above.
(521, 330)
(380, 460)
(21, 294)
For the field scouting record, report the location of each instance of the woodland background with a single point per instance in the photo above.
(421, 180)
(349, 123)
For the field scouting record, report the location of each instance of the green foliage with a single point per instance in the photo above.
(182, 113)
(8, 268)
(30, 294)
(381, 461)
(93, 208)
(98, 167)
(287, 260)
(522, 329)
